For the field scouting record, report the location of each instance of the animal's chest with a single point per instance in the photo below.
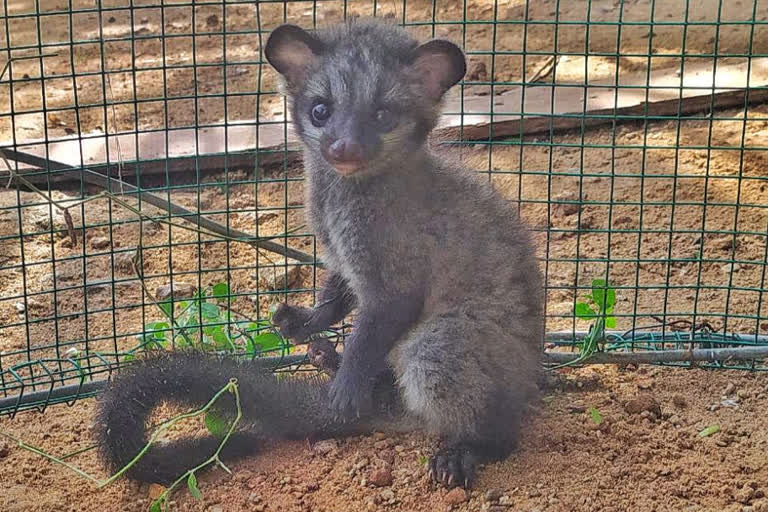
(357, 237)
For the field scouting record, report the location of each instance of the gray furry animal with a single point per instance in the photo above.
(441, 272)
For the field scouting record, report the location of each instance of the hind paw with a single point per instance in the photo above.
(453, 466)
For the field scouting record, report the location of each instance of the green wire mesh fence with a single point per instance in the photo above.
(152, 191)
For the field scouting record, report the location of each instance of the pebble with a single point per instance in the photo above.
(387, 495)
(742, 394)
(492, 495)
(154, 492)
(456, 496)
(506, 501)
(729, 389)
(215, 508)
(643, 403)
(381, 477)
(744, 495)
(325, 447)
(124, 261)
(177, 290)
(100, 242)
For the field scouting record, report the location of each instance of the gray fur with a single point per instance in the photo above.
(448, 290)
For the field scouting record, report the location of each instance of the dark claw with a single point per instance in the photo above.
(453, 466)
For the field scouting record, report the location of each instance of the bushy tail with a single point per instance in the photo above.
(289, 408)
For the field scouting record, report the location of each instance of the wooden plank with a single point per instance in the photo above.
(522, 111)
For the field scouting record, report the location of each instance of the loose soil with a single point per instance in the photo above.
(645, 454)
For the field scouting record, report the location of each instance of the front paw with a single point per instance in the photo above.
(350, 396)
(293, 322)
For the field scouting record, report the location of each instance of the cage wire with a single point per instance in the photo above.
(152, 189)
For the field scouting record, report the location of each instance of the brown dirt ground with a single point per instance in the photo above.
(632, 461)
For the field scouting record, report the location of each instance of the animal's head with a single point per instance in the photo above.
(364, 95)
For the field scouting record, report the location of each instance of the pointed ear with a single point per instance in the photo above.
(438, 65)
(290, 50)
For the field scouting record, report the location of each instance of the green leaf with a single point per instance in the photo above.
(610, 322)
(583, 310)
(250, 347)
(712, 429)
(220, 290)
(216, 425)
(192, 486)
(166, 307)
(268, 341)
(602, 294)
(597, 418)
(210, 311)
(128, 358)
(156, 506)
(220, 337)
(423, 460)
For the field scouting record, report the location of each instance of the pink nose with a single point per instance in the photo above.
(345, 151)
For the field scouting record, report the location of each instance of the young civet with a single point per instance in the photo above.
(437, 265)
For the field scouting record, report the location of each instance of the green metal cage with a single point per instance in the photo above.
(152, 189)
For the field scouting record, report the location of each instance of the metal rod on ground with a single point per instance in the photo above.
(641, 357)
(118, 187)
(661, 356)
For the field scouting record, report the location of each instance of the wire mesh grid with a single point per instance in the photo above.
(147, 157)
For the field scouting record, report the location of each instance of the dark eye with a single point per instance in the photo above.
(320, 114)
(385, 119)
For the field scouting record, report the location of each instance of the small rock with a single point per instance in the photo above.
(381, 477)
(177, 291)
(387, 495)
(4, 450)
(498, 508)
(212, 20)
(100, 242)
(643, 403)
(215, 508)
(362, 463)
(742, 394)
(572, 207)
(325, 447)
(155, 491)
(492, 495)
(124, 261)
(478, 72)
(20, 307)
(679, 401)
(254, 498)
(729, 389)
(577, 408)
(283, 278)
(506, 501)
(387, 456)
(744, 495)
(456, 496)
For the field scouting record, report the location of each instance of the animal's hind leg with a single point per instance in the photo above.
(465, 393)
